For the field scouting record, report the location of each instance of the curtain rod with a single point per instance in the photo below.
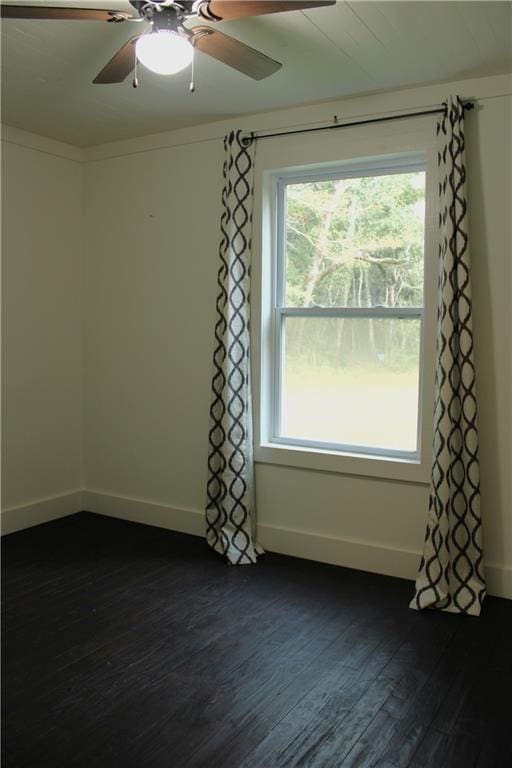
(467, 105)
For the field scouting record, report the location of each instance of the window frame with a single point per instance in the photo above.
(359, 169)
(335, 151)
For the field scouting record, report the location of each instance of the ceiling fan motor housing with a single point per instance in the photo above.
(151, 9)
(148, 8)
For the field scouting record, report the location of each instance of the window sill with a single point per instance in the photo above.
(405, 470)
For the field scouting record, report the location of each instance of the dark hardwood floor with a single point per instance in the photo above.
(135, 647)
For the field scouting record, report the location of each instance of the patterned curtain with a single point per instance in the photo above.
(451, 570)
(230, 509)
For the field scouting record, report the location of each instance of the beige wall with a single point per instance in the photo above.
(150, 272)
(151, 233)
(41, 323)
(490, 198)
(152, 230)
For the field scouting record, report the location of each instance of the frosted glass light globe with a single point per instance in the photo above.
(164, 52)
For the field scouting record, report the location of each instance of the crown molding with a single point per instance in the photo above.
(11, 135)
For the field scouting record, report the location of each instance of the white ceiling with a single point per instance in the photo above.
(327, 53)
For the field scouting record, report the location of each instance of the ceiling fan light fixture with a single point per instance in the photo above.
(164, 52)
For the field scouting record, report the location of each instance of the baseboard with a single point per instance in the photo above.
(499, 581)
(363, 556)
(360, 555)
(42, 511)
(147, 512)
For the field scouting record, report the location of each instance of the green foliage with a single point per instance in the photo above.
(356, 242)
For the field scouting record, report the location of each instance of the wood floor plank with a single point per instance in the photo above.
(417, 718)
(384, 728)
(325, 706)
(431, 747)
(134, 647)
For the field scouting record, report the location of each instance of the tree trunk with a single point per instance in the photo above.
(322, 247)
(320, 252)
(369, 303)
(341, 320)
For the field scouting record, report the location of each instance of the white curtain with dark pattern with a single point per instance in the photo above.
(230, 509)
(451, 569)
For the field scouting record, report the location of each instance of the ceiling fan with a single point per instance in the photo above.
(166, 45)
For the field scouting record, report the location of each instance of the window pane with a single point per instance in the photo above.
(355, 242)
(351, 381)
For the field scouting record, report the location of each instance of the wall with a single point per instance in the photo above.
(41, 329)
(152, 229)
(489, 194)
(151, 235)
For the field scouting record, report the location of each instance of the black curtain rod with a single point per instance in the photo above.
(468, 105)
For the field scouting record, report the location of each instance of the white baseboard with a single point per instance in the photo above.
(42, 511)
(147, 512)
(363, 556)
(499, 580)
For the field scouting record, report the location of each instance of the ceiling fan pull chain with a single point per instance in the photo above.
(192, 86)
(135, 81)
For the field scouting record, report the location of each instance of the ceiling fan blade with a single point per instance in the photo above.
(61, 14)
(120, 65)
(224, 10)
(232, 52)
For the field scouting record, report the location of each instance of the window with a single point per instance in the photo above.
(347, 310)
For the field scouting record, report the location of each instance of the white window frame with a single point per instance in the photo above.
(407, 164)
(417, 152)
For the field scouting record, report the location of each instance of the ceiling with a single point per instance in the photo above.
(327, 53)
